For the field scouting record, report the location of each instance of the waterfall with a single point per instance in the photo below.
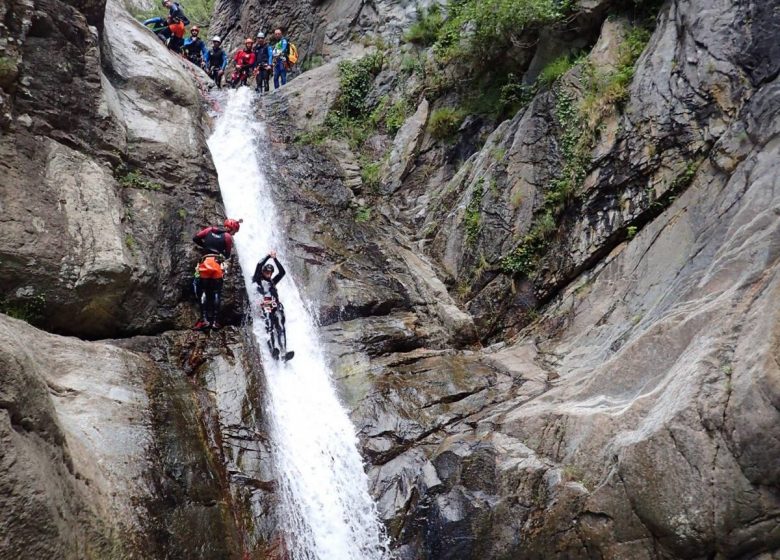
(325, 510)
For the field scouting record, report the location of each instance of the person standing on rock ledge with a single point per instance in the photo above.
(194, 48)
(264, 59)
(217, 245)
(216, 61)
(281, 51)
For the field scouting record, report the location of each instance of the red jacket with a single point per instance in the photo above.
(245, 59)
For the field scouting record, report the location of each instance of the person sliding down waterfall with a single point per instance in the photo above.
(217, 246)
(272, 308)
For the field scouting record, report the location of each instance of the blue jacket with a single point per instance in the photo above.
(190, 40)
(220, 61)
(159, 23)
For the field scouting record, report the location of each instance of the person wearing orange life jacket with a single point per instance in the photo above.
(217, 245)
(245, 62)
(177, 31)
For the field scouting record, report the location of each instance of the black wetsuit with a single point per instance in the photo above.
(208, 291)
(268, 287)
(264, 286)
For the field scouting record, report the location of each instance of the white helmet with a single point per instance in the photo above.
(261, 35)
(216, 39)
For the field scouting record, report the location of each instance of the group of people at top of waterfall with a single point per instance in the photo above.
(216, 245)
(261, 58)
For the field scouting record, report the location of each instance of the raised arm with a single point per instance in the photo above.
(281, 272)
(258, 275)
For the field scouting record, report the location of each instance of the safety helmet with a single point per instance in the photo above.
(232, 225)
(268, 268)
(216, 39)
(261, 35)
(195, 28)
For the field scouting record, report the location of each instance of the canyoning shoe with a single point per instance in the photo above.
(275, 353)
(201, 326)
(216, 325)
(288, 356)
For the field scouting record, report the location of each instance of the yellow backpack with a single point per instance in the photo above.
(292, 57)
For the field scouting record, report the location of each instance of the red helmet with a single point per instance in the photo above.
(233, 225)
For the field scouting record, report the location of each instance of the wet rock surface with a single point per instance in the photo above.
(140, 447)
(621, 402)
(105, 183)
(610, 416)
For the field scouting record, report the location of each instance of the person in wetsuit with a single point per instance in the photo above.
(263, 63)
(216, 245)
(216, 61)
(266, 286)
(194, 49)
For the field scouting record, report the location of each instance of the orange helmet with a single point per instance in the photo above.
(233, 225)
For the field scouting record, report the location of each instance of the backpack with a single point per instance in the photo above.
(292, 56)
(209, 267)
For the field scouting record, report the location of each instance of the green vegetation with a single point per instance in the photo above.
(26, 309)
(199, 12)
(350, 117)
(134, 180)
(631, 231)
(8, 70)
(686, 177)
(355, 82)
(445, 121)
(496, 24)
(312, 62)
(473, 212)
(413, 64)
(555, 69)
(395, 116)
(363, 214)
(608, 89)
(131, 244)
(425, 31)
(369, 172)
(182, 213)
(578, 128)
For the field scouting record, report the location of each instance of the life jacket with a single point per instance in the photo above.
(177, 29)
(292, 56)
(209, 267)
(245, 58)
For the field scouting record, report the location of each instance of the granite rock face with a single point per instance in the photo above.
(144, 447)
(619, 401)
(105, 182)
(624, 404)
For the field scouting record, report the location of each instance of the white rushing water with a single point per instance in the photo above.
(325, 509)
